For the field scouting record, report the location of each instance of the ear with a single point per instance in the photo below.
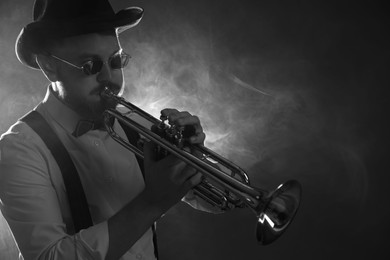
(48, 67)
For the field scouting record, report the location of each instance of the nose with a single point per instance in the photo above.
(105, 73)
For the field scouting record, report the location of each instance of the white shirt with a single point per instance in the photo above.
(33, 195)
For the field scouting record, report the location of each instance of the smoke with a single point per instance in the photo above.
(245, 122)
(188, 74)
(20, 88)
(282, 89)
(264, 103)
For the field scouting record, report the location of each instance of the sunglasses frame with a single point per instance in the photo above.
(82, 67)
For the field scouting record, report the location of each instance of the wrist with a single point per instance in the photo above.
(151, 204)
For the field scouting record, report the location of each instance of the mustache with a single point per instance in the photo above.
(114, 87)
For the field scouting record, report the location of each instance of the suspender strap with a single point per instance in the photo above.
(133, 138)
(74, 189)
(75, 192)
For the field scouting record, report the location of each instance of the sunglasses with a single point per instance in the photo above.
(90, 67)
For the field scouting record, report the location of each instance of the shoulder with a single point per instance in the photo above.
(20, 140)
(25, 161)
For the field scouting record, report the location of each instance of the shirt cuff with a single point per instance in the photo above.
(96, 239)
(196, 202)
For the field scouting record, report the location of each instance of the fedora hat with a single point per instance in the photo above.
(57, 19)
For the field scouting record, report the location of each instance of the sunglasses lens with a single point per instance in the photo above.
(119, 61)
(92, 67)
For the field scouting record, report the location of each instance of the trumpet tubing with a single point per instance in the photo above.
(225, 185)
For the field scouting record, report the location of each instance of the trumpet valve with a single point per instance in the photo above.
(161, 127)
(163, 119)
(179, 138)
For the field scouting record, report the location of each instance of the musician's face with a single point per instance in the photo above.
(79, 91)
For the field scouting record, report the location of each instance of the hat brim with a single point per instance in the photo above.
(27, 42)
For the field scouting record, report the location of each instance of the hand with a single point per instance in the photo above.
(166, 180)
(169, 179)
(183, 118)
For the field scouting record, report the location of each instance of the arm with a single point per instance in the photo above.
(184, 118)
(32, 204)
(166, 182)
(32, 207)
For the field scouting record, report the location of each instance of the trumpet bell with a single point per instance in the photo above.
(277, 212)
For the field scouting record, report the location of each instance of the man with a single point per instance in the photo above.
(75, 45)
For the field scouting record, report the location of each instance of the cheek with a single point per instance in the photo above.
(76, 90)
(79, 83)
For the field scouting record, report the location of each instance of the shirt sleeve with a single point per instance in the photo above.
(30, 204)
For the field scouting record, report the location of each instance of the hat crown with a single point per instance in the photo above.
(56, 19)
(70, 9)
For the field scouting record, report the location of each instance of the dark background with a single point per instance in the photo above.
(286, 89)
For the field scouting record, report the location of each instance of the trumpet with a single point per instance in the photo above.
(225, 185)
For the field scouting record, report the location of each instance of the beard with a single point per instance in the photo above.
(93, 105)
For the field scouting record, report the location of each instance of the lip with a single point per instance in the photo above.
(116, 92)
(99, 91)
(114, 88)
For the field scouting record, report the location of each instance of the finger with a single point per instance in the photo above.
(167, 112)
(194, 180)
(197, 139)
(193, 130)
(184, 119)
(181, 118)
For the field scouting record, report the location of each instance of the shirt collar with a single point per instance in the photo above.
(59, 112)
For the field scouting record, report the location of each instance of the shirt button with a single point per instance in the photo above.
(139, 256)
(96, 143)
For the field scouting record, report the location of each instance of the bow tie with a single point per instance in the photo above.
(83, 126)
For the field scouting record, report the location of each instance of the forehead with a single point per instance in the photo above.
(95, 44)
